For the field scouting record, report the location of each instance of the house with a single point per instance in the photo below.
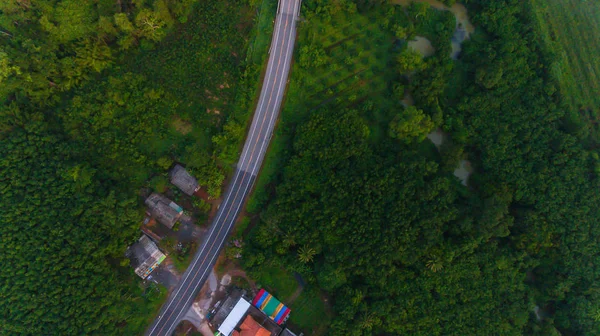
(183, 180)
(163, 209)
(237, 316)
(249, 327)
(144, 256)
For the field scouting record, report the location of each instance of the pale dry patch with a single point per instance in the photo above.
(182, 126)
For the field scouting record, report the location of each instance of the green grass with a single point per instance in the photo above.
(309, 313)
(264, 27)
(569, 28)
(276, 281)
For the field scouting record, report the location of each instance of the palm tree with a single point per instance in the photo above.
(289, 240)
(306, 254)
(368, 321)
(357, 296)
(435, 264)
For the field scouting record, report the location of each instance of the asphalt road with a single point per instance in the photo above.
(257, 141)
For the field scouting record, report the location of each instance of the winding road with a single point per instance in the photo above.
(257, 141)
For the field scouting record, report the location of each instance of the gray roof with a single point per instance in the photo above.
(163, 209)
(183, 180)
(287, 332)
(144, 256)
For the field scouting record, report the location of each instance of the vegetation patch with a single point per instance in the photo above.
(364, 207)
(567, 28)
(96, 98)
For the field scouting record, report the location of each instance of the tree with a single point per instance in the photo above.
(306, 254)
(411, 125)
(409, 61)
(6, 69)
(94, 55)
(150, 25)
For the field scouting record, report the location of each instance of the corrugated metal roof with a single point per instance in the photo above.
(234, 317)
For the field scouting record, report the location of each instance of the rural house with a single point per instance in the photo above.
(144, 256)
(237, 316)
(163, 209)
(183, 180)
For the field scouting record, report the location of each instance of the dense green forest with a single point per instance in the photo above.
(97, 100)
(356, 201)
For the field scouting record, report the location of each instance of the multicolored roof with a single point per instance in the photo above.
(272, 307)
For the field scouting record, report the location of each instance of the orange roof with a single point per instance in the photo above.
(251, 328)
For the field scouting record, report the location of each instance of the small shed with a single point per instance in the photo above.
(163, 209)
(183, 180)
(144, 256)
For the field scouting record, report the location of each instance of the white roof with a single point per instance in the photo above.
(234, 317)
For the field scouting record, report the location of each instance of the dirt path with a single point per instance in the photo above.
(294, 295)
(240, 273)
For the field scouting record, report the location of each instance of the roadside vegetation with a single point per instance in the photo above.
(97, 100)
(355, 199)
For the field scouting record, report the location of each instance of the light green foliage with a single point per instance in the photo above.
(306, 254)
(201, 205)
(70, 20)
(123, 23)
(96, 56)
(410, 60)
(401, 32)
(164, 162)
(411, 125)
(6, 69)
(312, 57)
(150, 25)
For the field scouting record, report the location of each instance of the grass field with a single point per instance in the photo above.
(570, 29)
(309, 313)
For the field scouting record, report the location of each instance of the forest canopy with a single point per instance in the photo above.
(368, 210)
(97, 100)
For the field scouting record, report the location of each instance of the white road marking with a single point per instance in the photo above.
(239, 171)
(243, 157)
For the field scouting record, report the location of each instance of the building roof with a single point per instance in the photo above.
(183, 180)
(251, 328)
(163, 209)
(287, 332)
(144, 256)
(234, 317)
(272, 307)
